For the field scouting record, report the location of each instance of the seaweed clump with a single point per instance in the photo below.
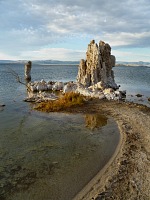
(68, 100)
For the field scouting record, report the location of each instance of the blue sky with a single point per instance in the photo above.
(61, 30)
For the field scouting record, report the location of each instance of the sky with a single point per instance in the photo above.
(61, 30)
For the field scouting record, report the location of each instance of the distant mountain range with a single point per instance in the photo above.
(7, 61)
(130, 64)
(42, 62)
(58, 62)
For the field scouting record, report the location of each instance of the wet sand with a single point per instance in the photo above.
(127, 175)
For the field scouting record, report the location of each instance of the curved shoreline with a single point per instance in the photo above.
(96, 182)
(126, 175)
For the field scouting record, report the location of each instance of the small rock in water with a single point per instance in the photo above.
(139, 95)
(2, 105)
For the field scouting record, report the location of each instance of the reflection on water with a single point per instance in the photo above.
(1, 109)
(93, 121)
(2, 106)
(44, 155)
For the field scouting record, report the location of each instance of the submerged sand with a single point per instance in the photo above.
(127, 175)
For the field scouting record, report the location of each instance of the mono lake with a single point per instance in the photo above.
(53, 155)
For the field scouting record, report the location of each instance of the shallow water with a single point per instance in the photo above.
(51, 156)
(48, 155)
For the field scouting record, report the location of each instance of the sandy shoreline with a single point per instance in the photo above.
(127, 175)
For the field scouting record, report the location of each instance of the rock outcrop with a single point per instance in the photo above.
(27, 69)
(98, 66)
(95, 77)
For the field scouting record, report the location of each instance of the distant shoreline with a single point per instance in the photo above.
(123, 65)
(67, 64)
(59, 62)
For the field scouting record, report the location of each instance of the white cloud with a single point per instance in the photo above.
(120, 39)
(7, 57)
(53, 54)
(28, 25)
(131, 55)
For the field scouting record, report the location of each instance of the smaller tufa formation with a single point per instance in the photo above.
(97, 68)
(45, 86)
(27, 69)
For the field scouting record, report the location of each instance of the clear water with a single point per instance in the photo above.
(135, 80)
(46, 72)
(48, 156)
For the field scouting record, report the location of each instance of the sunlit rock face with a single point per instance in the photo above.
(98, 66)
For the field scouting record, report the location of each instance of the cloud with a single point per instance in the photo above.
(30, 25)
(7, 57)
(124, 39)
(54, 53)
(131, 54)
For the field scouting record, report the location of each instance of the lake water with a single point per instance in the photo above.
(132, 79)
(51, 156)
(135, 80)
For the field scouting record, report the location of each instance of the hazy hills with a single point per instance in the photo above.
(128, 64)
(42, 62)
(58, 62)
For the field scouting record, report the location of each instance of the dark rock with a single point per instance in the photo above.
(139, 95)
(2, 105)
